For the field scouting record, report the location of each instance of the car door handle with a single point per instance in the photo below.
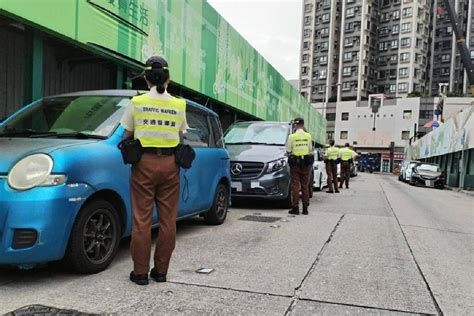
(225, 158)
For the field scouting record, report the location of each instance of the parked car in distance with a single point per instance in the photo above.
(406, 170)
(65, 192)
(319, 171)
(427, 174)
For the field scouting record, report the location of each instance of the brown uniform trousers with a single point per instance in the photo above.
(345, 173)
(331, 171)
(300, 181)
(155, 179)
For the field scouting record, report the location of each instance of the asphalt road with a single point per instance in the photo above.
(379, 248)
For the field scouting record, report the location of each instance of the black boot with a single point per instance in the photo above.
(294, 211)
(305, 209)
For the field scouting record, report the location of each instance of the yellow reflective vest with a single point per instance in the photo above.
(300, 143)
(332, 153)
(158, 122)
(346, 154)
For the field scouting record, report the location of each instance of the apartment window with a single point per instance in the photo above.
(383, 46)
(445, 58)
(304, 82)
(304, 70)
(322, 74)
(393, 59)
(403, 87)
(348, 56)
(348, 41)
(345, 116)
(426, 114)
(407, 12)
(305, 58)
(405, 135)
(350, 12)
(396, 14)
(307, 20)
(324, 45)
(346, 86)
(394, 44)
(384, 17)
(393, 73)
(406, 114)
(315, 74)
(395, 29)
(406, 27)
(325, 17)
(326, 3)
(404, 57)
(347, 71)
(405, 42)
(323, 60)
(403, 72)
(307, 7)
(349, 27)
(325, 32)
(306, 45)
(385, 3)
(307, 33)
(393, 88)
(344, 134)
(396, 1)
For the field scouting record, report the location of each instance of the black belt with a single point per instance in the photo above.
(159, 151)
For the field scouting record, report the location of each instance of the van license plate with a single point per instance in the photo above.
(237, 186)
(429, 183)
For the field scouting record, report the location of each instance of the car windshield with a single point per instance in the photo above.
(67, 116)
(427, 167)
(258, 133)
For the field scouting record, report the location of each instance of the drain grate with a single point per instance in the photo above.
(262, 219)
(44, 310)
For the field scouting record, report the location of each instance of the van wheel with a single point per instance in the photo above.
(218, 212)
(94, 238)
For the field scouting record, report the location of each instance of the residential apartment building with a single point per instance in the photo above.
(354, 48)
(446, 62)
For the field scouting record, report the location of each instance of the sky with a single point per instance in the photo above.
(272, 27)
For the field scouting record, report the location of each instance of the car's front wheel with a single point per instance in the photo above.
(94, 238)
(218, 212)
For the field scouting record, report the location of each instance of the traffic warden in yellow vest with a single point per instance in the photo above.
(300, 149)
(331, 160)
(347, 155)
(156, 119)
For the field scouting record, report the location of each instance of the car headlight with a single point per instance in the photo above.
(276, 165)
(33, 171)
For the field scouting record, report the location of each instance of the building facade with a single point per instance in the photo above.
(446, 62)
(392, 126)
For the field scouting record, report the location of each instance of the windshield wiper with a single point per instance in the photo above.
(78, 135)
(23, 133)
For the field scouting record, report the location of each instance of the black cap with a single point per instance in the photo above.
(298, 121)
(153, 62)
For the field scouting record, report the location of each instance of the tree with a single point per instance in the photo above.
(415, 94)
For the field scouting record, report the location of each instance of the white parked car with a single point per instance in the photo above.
(406, 170)
(319, 169)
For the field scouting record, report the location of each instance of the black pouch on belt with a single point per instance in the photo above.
(308, 160)
(184, 156)
(292, 161)
(131, 150)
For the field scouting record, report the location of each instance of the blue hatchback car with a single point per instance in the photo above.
(65, 192)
